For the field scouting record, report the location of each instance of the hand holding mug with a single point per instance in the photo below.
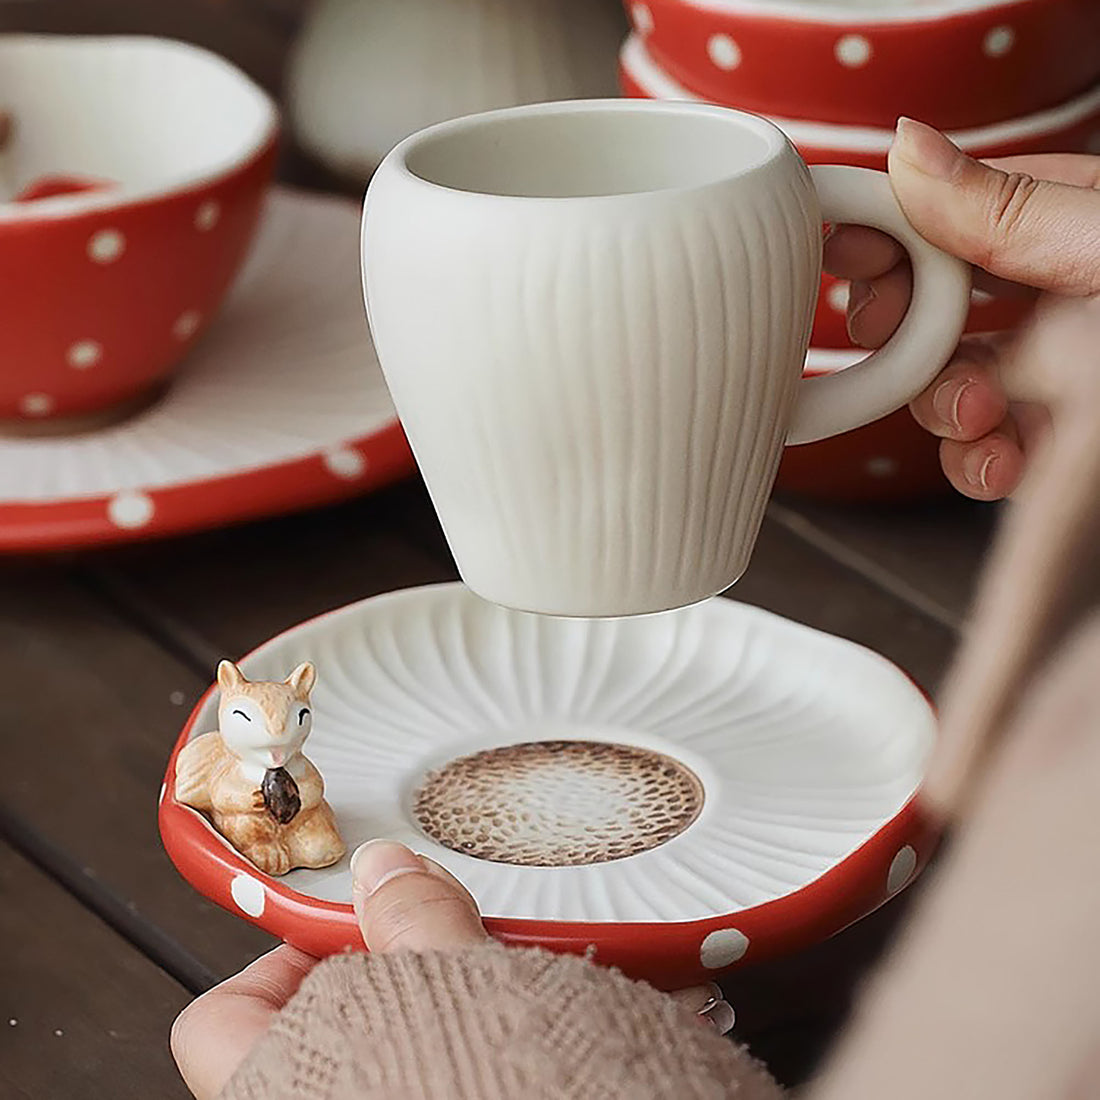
(1031, 226)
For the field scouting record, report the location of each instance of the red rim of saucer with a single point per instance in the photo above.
(668, 955)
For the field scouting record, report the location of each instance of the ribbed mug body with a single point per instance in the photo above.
(596, 382)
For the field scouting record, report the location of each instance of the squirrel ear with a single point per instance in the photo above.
(302, 678)
(229, 676)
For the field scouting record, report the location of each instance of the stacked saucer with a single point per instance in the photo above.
(1002, 77)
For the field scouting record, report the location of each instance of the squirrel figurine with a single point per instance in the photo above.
(250, 776)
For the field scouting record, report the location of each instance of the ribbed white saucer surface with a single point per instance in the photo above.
(804, 745)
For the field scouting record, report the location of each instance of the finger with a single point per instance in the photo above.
(1029, 231)
(212, 1035)
(720, 1016)
(1033, 425)
(857, 252)
(966, 401)
(707, 1002)
(697, 998)
(989, 469)
(443, 873)
(875, 309)
(1074, 169)
(403, 905)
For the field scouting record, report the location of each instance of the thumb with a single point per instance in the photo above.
(407, 903)
(1037, 232)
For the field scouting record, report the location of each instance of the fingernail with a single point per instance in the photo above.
(927, 150)
(378, 861)
(947, 399)
(978, 468)
(722, 1017)
(860, 296)
(714, 995)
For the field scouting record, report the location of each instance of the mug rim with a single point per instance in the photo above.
(777, 145)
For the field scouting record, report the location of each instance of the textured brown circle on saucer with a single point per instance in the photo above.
(558, 803)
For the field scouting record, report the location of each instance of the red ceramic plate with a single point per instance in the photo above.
(952, 63)
(788, 764)
(1072, 127)
(281, 405)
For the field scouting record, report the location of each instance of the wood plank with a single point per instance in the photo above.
(791, 577)
(82, 1013)
(223, 593)
(92, 749)
(263, 583)
(929, 554)
(97, 707)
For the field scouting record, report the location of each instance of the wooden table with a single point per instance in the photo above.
(103, 654)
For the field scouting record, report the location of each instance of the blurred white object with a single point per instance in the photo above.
(367, 73)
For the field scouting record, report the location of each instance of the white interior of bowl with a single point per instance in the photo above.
(146, 114)
(805, 744)
(858, 11)
(657, 84)
(287, 370)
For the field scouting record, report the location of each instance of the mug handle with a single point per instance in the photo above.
(927, 336)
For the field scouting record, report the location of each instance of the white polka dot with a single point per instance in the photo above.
(901, 869)
(723, 51)
(186, 325)
(722, 948)
(84, 354)
(177, 698)
(106, 246)
(36, 404)
(1092, 145)
(881, 466)
(838, 297)
(249, 894)
(999, 41)
(345, 462)
(980, 297)
(853, 50)
(206, 217)
(643, 18)
(130, 509)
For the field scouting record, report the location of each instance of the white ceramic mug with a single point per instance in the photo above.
(593, 318)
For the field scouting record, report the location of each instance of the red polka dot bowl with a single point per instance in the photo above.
(951, 63)
(132, 179)
(1072, 126)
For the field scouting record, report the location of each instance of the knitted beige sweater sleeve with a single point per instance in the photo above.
(489, 1023)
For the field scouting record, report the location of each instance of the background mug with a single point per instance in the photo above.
(593, 318)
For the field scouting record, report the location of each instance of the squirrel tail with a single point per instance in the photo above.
(193, 767)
